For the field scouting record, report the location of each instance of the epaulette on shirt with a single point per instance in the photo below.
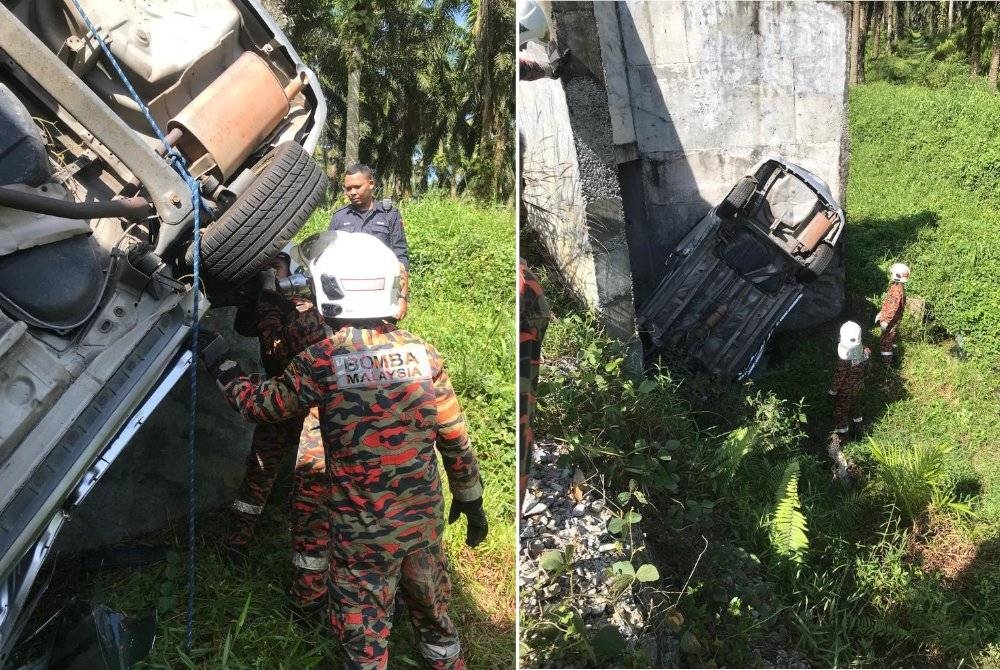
(387, 204)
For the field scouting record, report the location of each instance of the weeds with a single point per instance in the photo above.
(462, 299)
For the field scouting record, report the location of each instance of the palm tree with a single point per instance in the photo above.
(421, 91)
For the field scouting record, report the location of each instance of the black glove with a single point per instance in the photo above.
(473, 511)
(212, 349)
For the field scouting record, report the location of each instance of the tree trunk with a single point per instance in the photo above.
(877, 34)
(994, 61)
(854, 74)
(353, 134)
(951, 14)
(973, 35)
(894, 23)
(862, 39)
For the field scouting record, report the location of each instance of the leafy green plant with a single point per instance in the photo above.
(787, 527)
(911, 476)
(625, 574)
(733, 449)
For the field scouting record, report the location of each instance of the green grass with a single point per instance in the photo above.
(462, 301)
(873, 589)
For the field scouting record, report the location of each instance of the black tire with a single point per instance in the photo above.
(822, 256)
(737, 198)
(288, 187)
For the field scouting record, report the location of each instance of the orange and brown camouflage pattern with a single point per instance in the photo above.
(892, 313)
(848, 380)
(284, 328)
(534, 319)
(385, 403)
(310, 521)
(366, 593)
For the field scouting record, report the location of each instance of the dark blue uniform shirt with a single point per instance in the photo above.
(382, 221)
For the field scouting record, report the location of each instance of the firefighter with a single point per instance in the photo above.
(848, 378)
(533, 319)
(892, 311)
(385, 402)
(284, 327)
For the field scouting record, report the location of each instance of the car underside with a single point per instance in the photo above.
(97, 226)
(742, 269)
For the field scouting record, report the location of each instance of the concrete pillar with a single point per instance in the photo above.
(700, 91)
(571, 192)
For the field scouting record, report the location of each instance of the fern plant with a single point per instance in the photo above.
(912, 477)
(733, 450)
(788, 530)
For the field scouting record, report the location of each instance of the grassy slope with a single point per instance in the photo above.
(922, 188)
(919, 191)
(916, 194)
(462, 301)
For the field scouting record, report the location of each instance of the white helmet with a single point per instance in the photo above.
(354, 275)
(900, 272)
(850, 348)
(531, 23)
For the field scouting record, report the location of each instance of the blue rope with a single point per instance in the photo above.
(180, 165)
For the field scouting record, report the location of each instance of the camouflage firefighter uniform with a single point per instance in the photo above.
(385, 401)
(848, 380)
(284, 328)
(534, 319)
(891, 315)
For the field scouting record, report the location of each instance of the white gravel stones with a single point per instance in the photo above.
(554, 519)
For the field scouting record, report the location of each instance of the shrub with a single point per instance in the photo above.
(911, 477)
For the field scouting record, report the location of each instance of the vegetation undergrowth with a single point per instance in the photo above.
(900, 569)
(462, 298)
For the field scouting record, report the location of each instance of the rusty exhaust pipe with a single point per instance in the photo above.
(227, 121)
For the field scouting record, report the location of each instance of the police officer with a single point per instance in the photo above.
(366, 215)
(386, 406)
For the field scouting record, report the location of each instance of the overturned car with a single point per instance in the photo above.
(742, 269)
(97, 226)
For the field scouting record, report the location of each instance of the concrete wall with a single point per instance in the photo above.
(570, 191)
(145, 489)
(700, 91)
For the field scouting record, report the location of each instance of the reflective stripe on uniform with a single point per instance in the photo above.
(440, 652)
(312, 563)
(247, 508)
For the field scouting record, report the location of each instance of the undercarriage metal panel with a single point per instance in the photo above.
(22, 518)
(163, 184)
(16, 586)
(705, 310)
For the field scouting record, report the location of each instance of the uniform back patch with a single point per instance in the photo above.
(372, 368)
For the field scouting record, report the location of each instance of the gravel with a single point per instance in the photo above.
(553, 519)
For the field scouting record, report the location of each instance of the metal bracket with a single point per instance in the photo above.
(168, 191)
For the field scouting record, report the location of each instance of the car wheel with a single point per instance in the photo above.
(821, 259)
(737, 198)
(263, 218)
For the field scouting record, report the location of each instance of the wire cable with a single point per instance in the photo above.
(180, 165)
